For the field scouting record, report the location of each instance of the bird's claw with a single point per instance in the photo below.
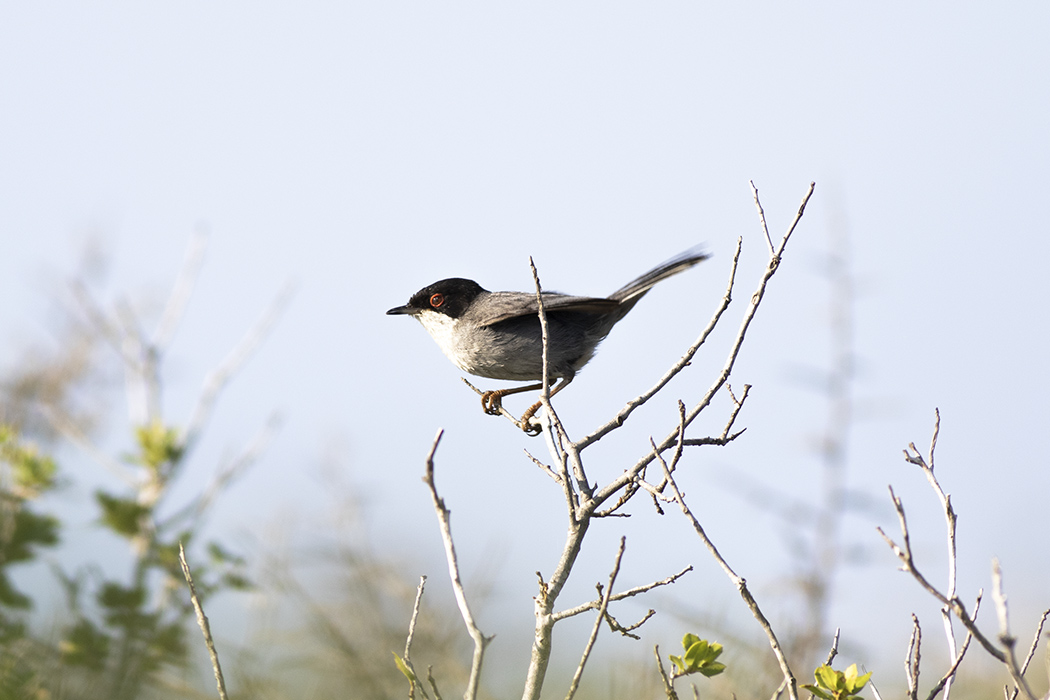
(531, 429)
(526, 420)
(492, 402)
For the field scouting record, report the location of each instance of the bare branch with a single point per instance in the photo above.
(407, 660)
(217, 380)
(550, 472)
(794, 222)
(545, 392)
(911, 660)
(626, 631)
(107, 326)
(677, 367)
(202, 620)
(725, 438)
(834, 651)
(762, 217)
(597, 622)
(72, 432)
(181, 292)
(1007, 640)
(433, 684)
(946, 680)
(950, 520)
(953, 603)
(668, 688)
(741, 585)
(1031, 650)
(629, 593)
(226, 476)
(723, 376)
(415, 616)
(444, 519)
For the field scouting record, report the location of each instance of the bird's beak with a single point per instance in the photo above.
(401, 310)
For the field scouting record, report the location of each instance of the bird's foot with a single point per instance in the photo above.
(526, 420)
(492, 402)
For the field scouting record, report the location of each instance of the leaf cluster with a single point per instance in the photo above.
(699, 657)
(837, 685)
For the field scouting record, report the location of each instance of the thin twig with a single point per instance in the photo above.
(615, 626)
(676, 368)
(1031, 649)
(1006, 639)
(904, 554)
(834, 651)
(433, 683)
(945, 682)
(723, 376)
(911, 660)
(668, 688)
(407, 660)
(181, 292)
(202, 620)
(550, 472)
(741, 585)
(444, 519)
(950, 519)
(597, 622)
(218, 378)
(629, 593)
(762, 216)
(199, 506)
(415, 616)
(545, 392)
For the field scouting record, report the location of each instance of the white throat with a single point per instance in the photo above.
(443, 330)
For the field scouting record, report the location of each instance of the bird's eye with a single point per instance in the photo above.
(437, 300)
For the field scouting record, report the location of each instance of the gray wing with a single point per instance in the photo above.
(501, 306)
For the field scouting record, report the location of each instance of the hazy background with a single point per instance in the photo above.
(365, 150)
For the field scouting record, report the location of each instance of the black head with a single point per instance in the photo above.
(451, 297)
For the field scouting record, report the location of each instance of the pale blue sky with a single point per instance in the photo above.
(366, 150)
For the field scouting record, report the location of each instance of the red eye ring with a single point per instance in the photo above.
(437, 300)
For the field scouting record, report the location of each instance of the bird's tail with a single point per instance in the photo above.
(683, 261)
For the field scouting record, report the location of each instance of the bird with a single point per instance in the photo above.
(497, 335)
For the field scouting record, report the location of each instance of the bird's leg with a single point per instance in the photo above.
(536, 406)
(492, 401)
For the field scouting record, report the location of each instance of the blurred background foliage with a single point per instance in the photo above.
(324, 619)
(128, 630)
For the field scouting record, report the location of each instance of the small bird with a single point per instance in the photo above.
(498, 335)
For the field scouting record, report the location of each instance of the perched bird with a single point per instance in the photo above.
(498, 335)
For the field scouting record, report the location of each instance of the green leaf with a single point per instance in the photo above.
(222, 556)
(169, 643)
(403, 667)
(158, 445)
(699, 657)
(827, 677)
(696, 654)
(11, 597)
(85, 645)
(817, 692)
(712, 669)
(32, 473)
(121, 515)
(29, 530)
(237, 582)
(113, 596)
